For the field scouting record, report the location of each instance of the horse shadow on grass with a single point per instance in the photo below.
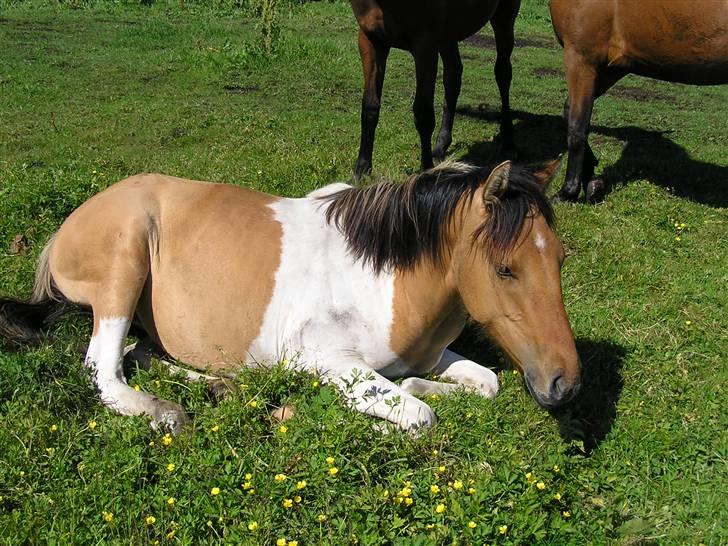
(646, 154)
(585, 422)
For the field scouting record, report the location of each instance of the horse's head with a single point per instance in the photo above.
(507, 268)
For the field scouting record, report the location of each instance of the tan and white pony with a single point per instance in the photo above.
(363, 285)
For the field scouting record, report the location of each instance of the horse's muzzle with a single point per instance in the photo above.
(560, 390)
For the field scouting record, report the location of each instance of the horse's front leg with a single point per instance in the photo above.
(374, 63)
(425, 56)
(502, 22)
(463, 372)
(452, 75)
(370, 393)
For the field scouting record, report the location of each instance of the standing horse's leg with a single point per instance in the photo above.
(425, 56)
(502, 22)
(374, 62)
(452, 75)
(585, 84)
(370, 393)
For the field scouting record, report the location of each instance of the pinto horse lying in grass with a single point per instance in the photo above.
(363, 285)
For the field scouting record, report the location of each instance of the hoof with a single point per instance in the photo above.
(284, 413)
(219, 389)
(595, 191)
(170, 417)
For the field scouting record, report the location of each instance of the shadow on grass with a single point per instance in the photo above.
(588, 419)
(649, 155)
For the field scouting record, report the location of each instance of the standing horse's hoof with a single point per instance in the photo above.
(170, 417)
(595, 191)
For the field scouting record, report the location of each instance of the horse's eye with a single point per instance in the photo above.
(503, 271)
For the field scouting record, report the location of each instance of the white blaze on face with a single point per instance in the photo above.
(539, 241)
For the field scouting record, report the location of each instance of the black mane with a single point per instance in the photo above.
(392, 226)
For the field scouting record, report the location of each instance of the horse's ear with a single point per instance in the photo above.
(497, 182)
(547, 172)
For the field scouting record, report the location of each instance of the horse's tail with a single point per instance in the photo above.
(23, 323)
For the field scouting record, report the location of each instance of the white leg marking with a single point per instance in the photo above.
(105, 358)
(370, 393)
(466, 372)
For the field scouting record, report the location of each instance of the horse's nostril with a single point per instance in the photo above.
(558, 387)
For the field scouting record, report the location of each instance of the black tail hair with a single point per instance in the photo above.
(24, 324)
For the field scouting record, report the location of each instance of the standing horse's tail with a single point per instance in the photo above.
(23, 323)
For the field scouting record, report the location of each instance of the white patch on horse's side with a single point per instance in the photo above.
(335, 315)
(539, 241)
(325, 304)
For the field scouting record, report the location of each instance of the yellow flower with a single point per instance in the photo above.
(677, 238)
(281, 542)
(215, 428)
(566, 514)
(171, 501)
(137, 388)
(171, 534)
(472, 524)
(408, 501)
(150, 520)
(333, 471)
(247, 485)
(248, 477)
(471, 490)
(292, 543)
(429, 526)
(170, 467)
(321, 518)
(251, 491)
(688, 322)
(557, 496)
(253, 526)
(399, 500)
(300, 485)
(434, 489)
(283, 429)
(54, 428)
(151, 443)
(556, 468)
(457, 485)
(330, 460)
(108, 516)
(92, 425)
(435, 452)
(503, 529)
(315, 384)
(167, 439)
(287, 503)
(279, 478)
(253, 404)
(297, 499)
(540, 486)
(215, 491)
(442, 468)
(50, 450)
(405, 492)
(440, 508)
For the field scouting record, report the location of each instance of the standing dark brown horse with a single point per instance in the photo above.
(677, 40)
(427, 28)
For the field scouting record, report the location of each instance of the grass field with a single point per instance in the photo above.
(91, 92)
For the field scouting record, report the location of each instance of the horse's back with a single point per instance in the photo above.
(403, 23)
(679, 40)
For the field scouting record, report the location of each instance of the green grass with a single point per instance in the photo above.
(93, 94)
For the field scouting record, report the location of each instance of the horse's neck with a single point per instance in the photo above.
(427, 314)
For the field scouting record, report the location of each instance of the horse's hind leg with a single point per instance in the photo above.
(374, 63)
(452, 75)
(502, 22)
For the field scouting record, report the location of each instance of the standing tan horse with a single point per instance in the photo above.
(674, 40)
(362, 285)
(427, 28)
